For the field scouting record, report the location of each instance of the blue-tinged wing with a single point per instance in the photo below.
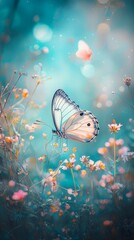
(62, 108)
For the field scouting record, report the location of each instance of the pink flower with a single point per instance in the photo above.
(70, 191)
(99, 165)
(19, 196)
(75, 193)
(84, 159)
(109, 178)
(102, 183)
(110, 143)
(129, 194)
(77, 167)
(107, 223)
(67, 206)
(83, 173)
(119, 142)
(11, 183)
(121, 170)
(102, 151)
(64, 167)
(116, 186)
(123, 150)
(104, 177)
(114, 127)
(84, 52)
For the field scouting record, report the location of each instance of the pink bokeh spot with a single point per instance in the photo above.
(107, 223)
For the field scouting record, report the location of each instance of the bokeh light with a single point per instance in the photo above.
(42, 32)
(88, 70)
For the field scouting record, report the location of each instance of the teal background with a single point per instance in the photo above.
(112, 61)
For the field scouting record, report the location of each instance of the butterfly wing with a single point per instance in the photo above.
(62, 108)
(82, 126)
(83, 45)
(84, 52)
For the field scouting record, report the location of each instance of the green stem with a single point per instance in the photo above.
(114, 158)
(73, 179)
(62, 187)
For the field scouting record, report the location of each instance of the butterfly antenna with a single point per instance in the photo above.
(38, 122)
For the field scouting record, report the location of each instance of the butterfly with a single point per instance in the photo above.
(84, 52)
(70, 121)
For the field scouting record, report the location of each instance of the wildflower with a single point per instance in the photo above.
(8, 139)
(75, 193)
(121, 170)
(67, 206)
(64, 168)
(123, 150)
(19, 196)
(11, 183)
(55, 145)
(70, 163)
(54, 186)
(30, 128)
(74, 149)
(61, 213)
(31, 137)
(102, 150)
(17, 96)
(54, 208)
(84, 159)
(99, 165)
(65, 149)
(77, 167)
(107, 178)
(70, 191)
(48, 193)
(24, 93)
(107, 223)
(128, 81)
(119, 142)
(129, 194)
(91, 163)
(42, 158)
(72, 156)
(102, 183)
(64, 145)
(110, 143)
(83, 173)
(116, 186)
(1, 136)
(114, 127)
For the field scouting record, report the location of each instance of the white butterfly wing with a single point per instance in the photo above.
(62, 108)
(83, 46)
(81, 126)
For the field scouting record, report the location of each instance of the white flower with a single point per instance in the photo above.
(114, 127)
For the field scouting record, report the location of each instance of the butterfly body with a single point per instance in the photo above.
(70, 121)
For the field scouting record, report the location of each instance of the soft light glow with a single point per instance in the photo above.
(88, 71)
(42, 32)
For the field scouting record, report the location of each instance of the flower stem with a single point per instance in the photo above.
(73, 179)
(114, 158)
